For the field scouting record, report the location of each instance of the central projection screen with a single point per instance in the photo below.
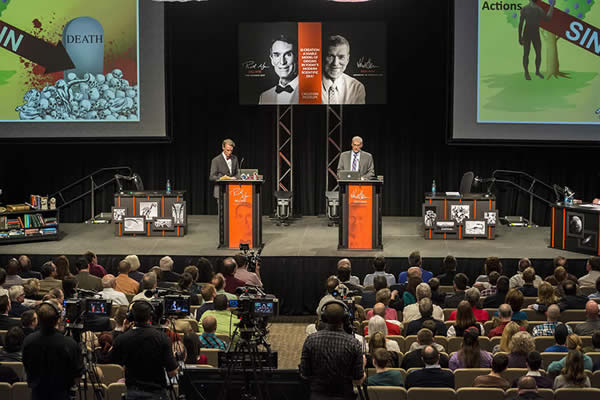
(312, 63)
(526, 72)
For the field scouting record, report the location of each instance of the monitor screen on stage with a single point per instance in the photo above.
(312, 63)
(526, 71)
(81, 69)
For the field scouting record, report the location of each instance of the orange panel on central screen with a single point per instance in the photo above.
(360, 216)
(240, 215)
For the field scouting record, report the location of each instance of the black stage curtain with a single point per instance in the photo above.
(406, 136)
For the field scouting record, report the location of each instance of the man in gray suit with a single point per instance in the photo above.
(357, 160)
(224, 165)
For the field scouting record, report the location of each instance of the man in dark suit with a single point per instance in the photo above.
(432, 375)
(224, 165)
(357, 160)
(571, 300)
(460, 285)
(6, 322)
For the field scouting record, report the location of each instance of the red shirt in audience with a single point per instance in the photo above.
(497, 331)
(392, 328)
(480, 315)
(390, 313)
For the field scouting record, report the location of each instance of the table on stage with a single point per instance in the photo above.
(240, 215)
(576, 228)
(360, 222)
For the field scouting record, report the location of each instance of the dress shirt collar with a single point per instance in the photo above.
(433, 366)
(533, 373)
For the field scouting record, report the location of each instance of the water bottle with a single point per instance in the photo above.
(168, 186)
(433, 188)
(566, 202)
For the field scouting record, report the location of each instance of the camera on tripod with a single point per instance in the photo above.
(78, 310)
(348, 299)
(252, 256)
(254, 303)
(167, 305)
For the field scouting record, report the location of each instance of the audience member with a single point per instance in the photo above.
(515, 299)
(414, 260)
(63, 268)
(410, 294)
(134, 263)
(6, 322)
(29, 321)
(495, 300)
(124, 283)
(411, 312)
(109, 283)
(546, 297)
(191, 342)
(505, 315)
(379, 267)
(470, 355)
(527, 389)
(460, 286)
(516, 281)
(13, 345)
(196, 288)
(186, 281)
(344, 274)
(208, 295)
(509, 331)
(242, 273)
(425, 311)
(345, 262)
(209, 339)
(573, 344)
(520, 345)
(432, 375)
(226, 321)
(448, 271)
(377, 324)
(231, 282)
(166, 266)
(93, 266)
(17, 297)
(414, 358)
(472, 296)
(595, 347)
(593, 268)
(528, 289)
(534, 363)
(561, 332)
(121, 323)
(571, 300)
(368, 299)
(378, 340)
(493, 288)
(383, 376)
(149, 284)
(205, 271)
(8, 375)
(12, 274)
(218, 281)
(559, 276)
(85, 280)
(437, 296)
(49, 280)
(548, 327)
(597, 294)
(32, 289)
(25, 271)
(494, 379)
(465, 320)
(394, 327)
(573, 374)
(105, 342)
(69, 285)
(491, 264)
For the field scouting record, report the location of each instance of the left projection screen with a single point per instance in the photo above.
(73, 69)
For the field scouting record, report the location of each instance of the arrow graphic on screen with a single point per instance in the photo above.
(53, 58)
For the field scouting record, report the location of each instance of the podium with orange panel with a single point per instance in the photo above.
(240, 217)
(360, 222)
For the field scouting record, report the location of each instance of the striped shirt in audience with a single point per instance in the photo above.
(211, 341)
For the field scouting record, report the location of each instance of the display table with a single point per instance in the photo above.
(448, 217)
(576, 228)
(150, 213)
(360, 222)
(240, 214)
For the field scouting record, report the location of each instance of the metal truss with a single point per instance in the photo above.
(334, 145)
(285, 149)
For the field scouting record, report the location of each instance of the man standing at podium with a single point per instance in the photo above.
(224, 166)
(357, 160)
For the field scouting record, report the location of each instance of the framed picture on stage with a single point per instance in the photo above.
(163, 224)
(149, 210)
(475, 229)
(429, 215)
(589, 241)
(445, 226)
(118, 214)
(575, 225)
(491, 217)
(460, 212)
(133, 225)
(178, 212)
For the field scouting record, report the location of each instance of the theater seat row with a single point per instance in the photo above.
(399, 393)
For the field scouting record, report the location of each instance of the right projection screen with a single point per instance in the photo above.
(526, 71)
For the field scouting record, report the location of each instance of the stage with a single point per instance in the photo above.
(297, 259)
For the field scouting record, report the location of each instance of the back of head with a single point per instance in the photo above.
(124, 267)
(208, 292)
(121, 315)
(157, 272)
(142, 312)
(560, 334)
(209, 324)
(193, 271)
(69, 285)
(192, 345)
(499, 363)
(414, 272)
(229, 266)
(493, 278)
(89, 256)
(464, 315)
(527, 384)
(109, 281)
(28, 318)
(574, 342)
(515, 299)
(383, 296)
(423, 291)
(591, 310)
(449, 264)
(546, 294)
(185, 281)
(81, 264)
(219, 281)
(331, 284)
(47, 269)
(522, 343)
(529, 275)
(472, 296)
(524, 263)
(470, 351)
(12, 268)
(15, 292)
(509, 331)
(379, 309)
(503, 284)
(13, 341)
(570, 288)
(430, 355)
(205, 270)
(377, 324)
(574, 368)
(149, 281)
(560, 273)
(461, 281)
(381, 358)
(492, 264)
(534, 360)
(434, 284)
(134, 262)
(559, 261)
(594, 263)
(240, 260)
(426, 307)
(47, 315)
(376, 341)
(414, 259)
(343, 273)
(553, 313)
(430, 325)
(379, 282)
(379, 263)
(221, 302)
(166, 263)
(424, 336)
(334, 314)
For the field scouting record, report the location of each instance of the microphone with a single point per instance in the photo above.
(241, 162)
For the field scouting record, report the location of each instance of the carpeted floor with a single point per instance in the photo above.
(286, 336)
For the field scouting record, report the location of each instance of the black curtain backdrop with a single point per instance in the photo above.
(406, 136)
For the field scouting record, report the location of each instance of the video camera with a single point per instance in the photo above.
(252, 256)
(347, 299)
(254, 303)
(167, 305)
(78, 310)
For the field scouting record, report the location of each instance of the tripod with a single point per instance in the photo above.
(89, 369)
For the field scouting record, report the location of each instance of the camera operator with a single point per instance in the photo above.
(53, 362)
(145, 352)
(242, 273)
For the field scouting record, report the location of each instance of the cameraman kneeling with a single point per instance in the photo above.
(146, 353)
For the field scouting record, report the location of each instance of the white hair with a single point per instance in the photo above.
(15, 291)
(166, 263)
(357, 138)
(134, 262)
(377, 324)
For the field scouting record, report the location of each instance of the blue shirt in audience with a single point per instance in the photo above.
(425, 276)
(557, 349)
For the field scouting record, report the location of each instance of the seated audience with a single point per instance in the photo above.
(231, 282)
(17, 298)
(495, 300)
(548, 327)
(149, 284)
(472, 296)
(509, 331)
(69, 287)
(218, 281)
(494, 379)
(379, 268)
(192, 345)
(25, 270)
(527, 389)
(226, 321)
(559, 276)
(63, 268)
(593, 268)
(383, 376)
(493, 288)
(414, 260)
(505, 314)
(528, 289)
(414, 358)
(8, 375)
(546, 297)
(515, 299)
(411, 312)
(573, 374)
(437, 297)
(242, 273)
(345, 262)
(12, 274)
(461, 281)
(465, 319)
(124, 283)
(448, 271)
(109, 283)
(6, 322)
(377, 324)
(410, 294)
(208, 295)
(491, 264)
(592, 320)
(517, 281)
(93, 266)
(49, 280)
(571, 300)
(29, 321)
(13, 345)
(384, 296)
(597, 294)
(134, 263)
(121, 323)
(432, 375)
(105, 342)
(425, 310)
(193, 271)
(430, 325)
(32, 290)
(561, 332)
(470, 355)
(520, 345)
(595, 347)
(166, 267)
(374, 342)
(205, 271)
(534, 363)
(344, 274)
(394, 327)
(208, 339)
(573, 344)
(185, 284)
(368, 299)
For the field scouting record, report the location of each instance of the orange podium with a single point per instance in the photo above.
(240, 217)
(360, 222)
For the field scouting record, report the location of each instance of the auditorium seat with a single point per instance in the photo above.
(595, 356)
(528, 301)
(17, 367)
(386, 393)
(20, 391)
(488, 326)
(587, 290)
(408, 341)
(543, 342)
(510, 374)
(446, 289)
(533, 315)
(398, 339)
(547, 358)
(449, 324)
(212, 356)
(115, 391)
(89, 392)
(2, 336)
(112, 372)
(419, 393)
(491, 312)
(546, 394)
(473, 393)
(577, 393)
(447, 312)
(455, 343)
(373, 371)
(5, 390)
(586, 340)
(596, 379)
(464, 377)
(572, 315)
(495, 341)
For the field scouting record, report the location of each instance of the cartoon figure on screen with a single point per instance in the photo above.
(531, 16)
(283, 56)
(339, 88)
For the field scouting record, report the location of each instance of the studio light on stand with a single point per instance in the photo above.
(333, 207)
(283, 211)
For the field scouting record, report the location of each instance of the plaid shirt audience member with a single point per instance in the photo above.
(211, 341)
(489, 291)
(547, 329)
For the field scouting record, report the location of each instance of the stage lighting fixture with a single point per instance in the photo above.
(333, 207)
(284, 199)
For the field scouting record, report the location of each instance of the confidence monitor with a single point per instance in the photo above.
(524, 71)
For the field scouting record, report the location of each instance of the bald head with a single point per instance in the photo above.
(553, 313)
(109, 281)
(413, 272)
(379, 309)
(527, 384)
(344, 262)
(505, 312)
(591, 310)
(209, 324)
